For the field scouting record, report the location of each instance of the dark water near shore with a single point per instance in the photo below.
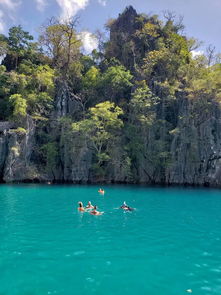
(171, 243)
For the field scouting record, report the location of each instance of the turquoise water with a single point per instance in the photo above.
(171, 243)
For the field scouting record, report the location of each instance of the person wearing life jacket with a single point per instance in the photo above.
(81, 207)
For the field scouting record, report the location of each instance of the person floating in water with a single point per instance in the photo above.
(81, 207)
(101, 191)
(95, 212)
(126, 207)
(89, 206)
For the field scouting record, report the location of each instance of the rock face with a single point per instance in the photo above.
(121, 31)
(3, 152)
(77, 159)
(195, 153)
(196, 147)
(126, 23)
(65, 104)
(18, 147)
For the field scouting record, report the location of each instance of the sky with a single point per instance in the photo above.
(202, 18)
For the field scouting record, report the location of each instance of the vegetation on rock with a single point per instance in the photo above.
(123, 110)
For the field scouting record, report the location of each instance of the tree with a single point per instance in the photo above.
(173, 22)
(19, 105)
(142, 105)
(18, 43)
(91, 79)
(116, 82)
(43, 79)
(89, 92)
(100, 128)
(60, 41)
(210, 53)
(142, 115)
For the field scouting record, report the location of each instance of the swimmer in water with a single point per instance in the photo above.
(95, 212)
(89, 206)
(101, 191)
(126, 207)
(129, 209)
(81, 207)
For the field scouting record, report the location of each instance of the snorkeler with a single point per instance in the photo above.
(101, 191)
(81, 207)
(89, 206)
(95, 212)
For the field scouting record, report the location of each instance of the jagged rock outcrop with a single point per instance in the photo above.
(121, 45)
(16, 150)
(66, 104)
(126, 23)
(196, 146)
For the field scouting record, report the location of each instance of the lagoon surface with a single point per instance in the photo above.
(170, 244)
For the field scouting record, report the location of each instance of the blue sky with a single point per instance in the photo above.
(201, 17)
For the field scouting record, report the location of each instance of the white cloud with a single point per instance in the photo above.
(89, 41)
(9, 4)
(40, 4)
(69, 8)
(196, 53)
(102, 2)
(7, 11)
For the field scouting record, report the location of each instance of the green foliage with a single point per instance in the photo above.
(87, 62)
(18, 46)
(39, 104)
(91, 78)
(164, 62)
(101, 127)
(35, 86)
(116, 82)
(18, 39)
(19, 106)
(208, 81)
(118, 77)
(43, 78)
(143, 104)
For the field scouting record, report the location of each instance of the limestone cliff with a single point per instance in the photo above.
(168, 102)
(196, 146)
(195, 150)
